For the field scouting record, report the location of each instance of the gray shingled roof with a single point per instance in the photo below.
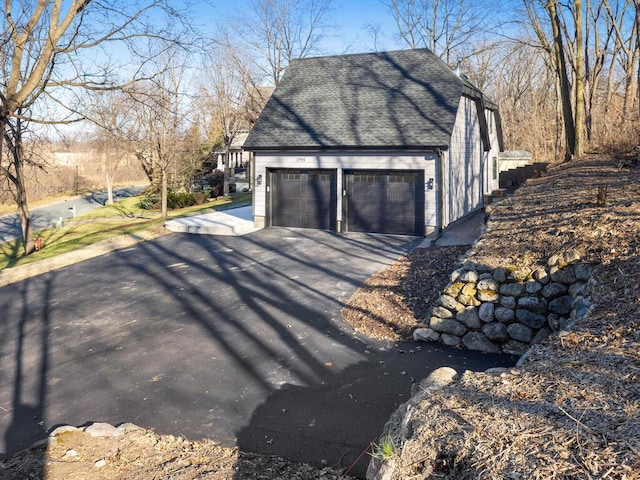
(385, 100)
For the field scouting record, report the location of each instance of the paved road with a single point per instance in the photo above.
(238, 339)
(43, 216)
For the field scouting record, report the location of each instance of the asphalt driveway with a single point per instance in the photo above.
(238, 339)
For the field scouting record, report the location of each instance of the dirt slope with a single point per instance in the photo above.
(572, 410)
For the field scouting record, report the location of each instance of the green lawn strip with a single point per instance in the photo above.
(123, 218)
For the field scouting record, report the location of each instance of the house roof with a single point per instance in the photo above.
(385, 100)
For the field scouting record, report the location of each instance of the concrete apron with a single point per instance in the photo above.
(464, 231)
(235, 221)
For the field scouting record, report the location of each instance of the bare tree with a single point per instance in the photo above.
(628, 52)
(161, 116)
(280, 30)
(449, 28)
(111, 112)
(230, 87)
(52, 46)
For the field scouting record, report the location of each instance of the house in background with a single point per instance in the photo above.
(389, 142)
(237, 162)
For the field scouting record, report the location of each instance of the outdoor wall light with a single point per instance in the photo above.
(430, 184)
(259, 180)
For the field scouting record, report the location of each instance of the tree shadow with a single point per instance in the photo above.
(26, 339)
(335, 420)
(204, 337)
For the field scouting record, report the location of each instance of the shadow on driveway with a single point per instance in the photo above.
(237, 339)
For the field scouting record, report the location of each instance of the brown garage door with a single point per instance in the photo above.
(385, 202)
(303, 198)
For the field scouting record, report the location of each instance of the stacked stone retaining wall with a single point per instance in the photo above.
(509, 309)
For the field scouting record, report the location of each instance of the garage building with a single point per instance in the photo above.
(387, 142)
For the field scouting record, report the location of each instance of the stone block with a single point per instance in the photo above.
(566, 275)
(513, 289)
(64, 429)
(486, 312)
(450, 340)
(541, 275)
(478, 341)
(487, 296)
(577, 289)
(579, 307)
(513, 347)
(531, 319)
(454, 289)
(570, 257)
(564, 323)
(99, 429)
(553, 290)
(554, 260)
(469, 317)
(447, 325)
(500, 275)
(469, 276)
(439, 378)
(469, 289)
(520, 274)
(488, 284)
(425, 335)
(508, 302)
(496, 331)
(532, 286)
(455, 275)
(449, 302)
(468, 300)
(561, 305)
(442, 312)
(520, 332)
(127, 427)
(533, 304)
(554, 321)
(505, 315)
(583, 272)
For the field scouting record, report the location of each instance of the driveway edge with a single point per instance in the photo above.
(22, 272)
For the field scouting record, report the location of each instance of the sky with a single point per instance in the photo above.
(348, 19)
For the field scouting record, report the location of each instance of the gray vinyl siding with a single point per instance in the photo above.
(491, 183)
(462, 180)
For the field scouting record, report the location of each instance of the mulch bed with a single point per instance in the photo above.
(392, 303)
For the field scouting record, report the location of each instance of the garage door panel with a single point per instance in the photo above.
(303, 198)
(385, 202)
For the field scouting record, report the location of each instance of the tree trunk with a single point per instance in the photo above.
(107, 176)
(226, 171)
(163, 195)
(579, 79)
(16, 178)
(637, 5)
(109, 190)
(565, 88)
